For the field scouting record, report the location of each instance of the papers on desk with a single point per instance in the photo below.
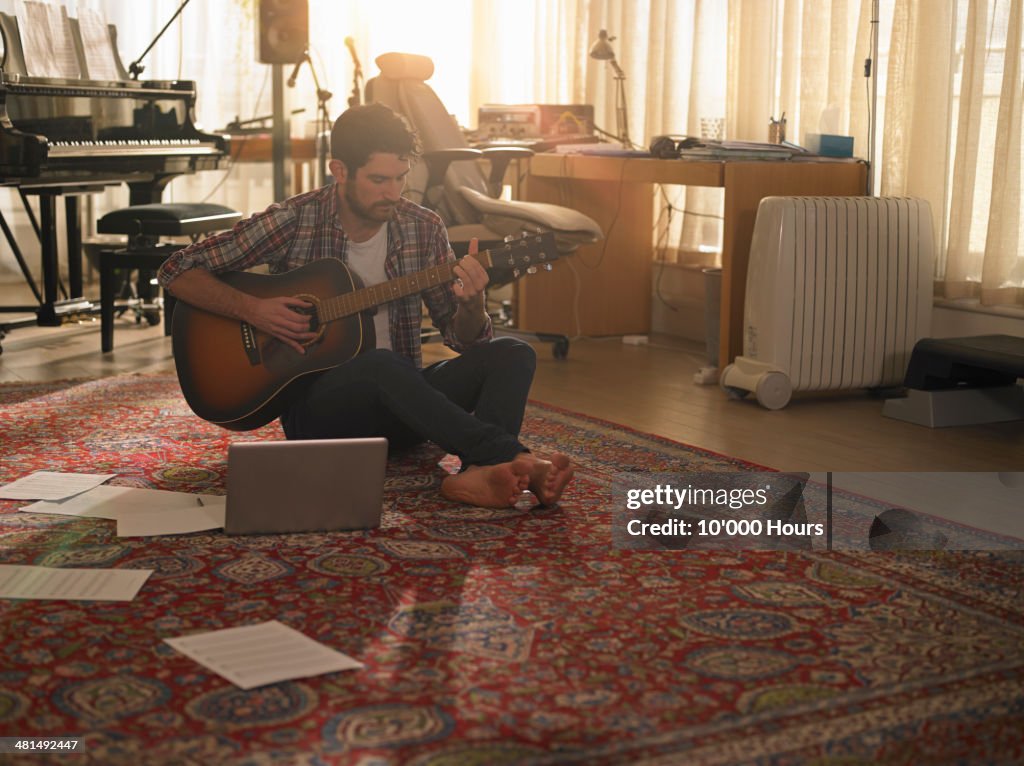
(141, 512)
(50, 485)
(600, 150)
(257, 655)
(23, 581)
(739, 150)
(696, 149)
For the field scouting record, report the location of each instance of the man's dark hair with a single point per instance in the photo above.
(369, 129)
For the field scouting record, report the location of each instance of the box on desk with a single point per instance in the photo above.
(523, 121)
(828, 145)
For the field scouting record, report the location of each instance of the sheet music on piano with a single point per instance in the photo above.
(46, 40)
(97, 45)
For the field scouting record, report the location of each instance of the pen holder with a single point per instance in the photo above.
(776, 130)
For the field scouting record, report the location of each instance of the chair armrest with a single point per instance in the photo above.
(499, 157)
(438, 160)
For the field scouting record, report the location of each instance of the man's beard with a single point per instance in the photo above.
(379, 212)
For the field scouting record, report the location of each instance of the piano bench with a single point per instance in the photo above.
(182, 219)
(144, 225)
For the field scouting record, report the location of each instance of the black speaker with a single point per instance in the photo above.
(282, 32)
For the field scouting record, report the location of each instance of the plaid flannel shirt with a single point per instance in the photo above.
(306, 227)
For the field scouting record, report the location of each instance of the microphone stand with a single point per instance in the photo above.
(136, 68)
(354, 99)
(323, 117)
(357, 74)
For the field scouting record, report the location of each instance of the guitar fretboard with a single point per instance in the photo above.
(511, 257)
(399, 287)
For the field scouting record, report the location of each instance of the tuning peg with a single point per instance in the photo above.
(509, 238)
(516, 273)
(547, 267)
(531, 270)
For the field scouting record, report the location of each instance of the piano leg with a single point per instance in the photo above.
(74, 237)
(47, 314)
(52, 311)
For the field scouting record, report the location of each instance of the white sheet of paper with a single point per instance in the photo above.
(174, 521)
(257, 655)
(24, 581)
(111, 502)
(98, 48)
(46, 40)
(52, 485)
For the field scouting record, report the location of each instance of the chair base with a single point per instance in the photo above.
(110, 262)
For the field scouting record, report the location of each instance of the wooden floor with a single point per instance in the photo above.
(649, 388)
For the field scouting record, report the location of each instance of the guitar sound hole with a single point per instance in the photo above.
(314, 317)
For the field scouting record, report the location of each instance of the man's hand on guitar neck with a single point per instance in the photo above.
(471, 280)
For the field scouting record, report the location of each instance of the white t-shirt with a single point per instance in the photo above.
(366, 259)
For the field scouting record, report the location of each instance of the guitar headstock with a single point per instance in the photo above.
(519, 256)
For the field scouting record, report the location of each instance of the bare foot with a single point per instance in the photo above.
(548, 477)
(489, 486)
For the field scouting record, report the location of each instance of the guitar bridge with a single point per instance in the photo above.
(252, 349)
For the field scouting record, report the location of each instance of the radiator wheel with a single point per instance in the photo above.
(774, 390)
(734, 392)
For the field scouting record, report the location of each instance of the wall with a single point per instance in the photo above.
(948, 322)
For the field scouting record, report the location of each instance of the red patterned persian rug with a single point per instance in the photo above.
(488, 637)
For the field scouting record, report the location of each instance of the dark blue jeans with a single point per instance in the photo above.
(471, 406)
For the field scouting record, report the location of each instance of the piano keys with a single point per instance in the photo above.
(63, 137)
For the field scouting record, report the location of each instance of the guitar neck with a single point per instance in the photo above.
(399, 287)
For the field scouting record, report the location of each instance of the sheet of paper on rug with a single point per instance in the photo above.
(261, 654)
(52, 485)
(112, 502)
(24, 581)
(173, 521)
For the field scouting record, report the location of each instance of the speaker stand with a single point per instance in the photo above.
(280, 135)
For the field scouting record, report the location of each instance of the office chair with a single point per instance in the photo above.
(451, 178)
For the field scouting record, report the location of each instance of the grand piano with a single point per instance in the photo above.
(68, 136)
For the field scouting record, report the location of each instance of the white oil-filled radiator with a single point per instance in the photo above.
(839, 289)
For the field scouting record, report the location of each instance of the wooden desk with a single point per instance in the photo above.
(615, 275)
(258, 147)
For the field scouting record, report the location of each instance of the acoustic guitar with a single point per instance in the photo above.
(241, 378)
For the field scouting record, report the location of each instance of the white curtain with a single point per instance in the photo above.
(963, 138)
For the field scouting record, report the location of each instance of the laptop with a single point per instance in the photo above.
(314, 485)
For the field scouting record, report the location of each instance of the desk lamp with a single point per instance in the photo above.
(602, 51)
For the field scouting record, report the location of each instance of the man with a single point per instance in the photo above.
(471, 405)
